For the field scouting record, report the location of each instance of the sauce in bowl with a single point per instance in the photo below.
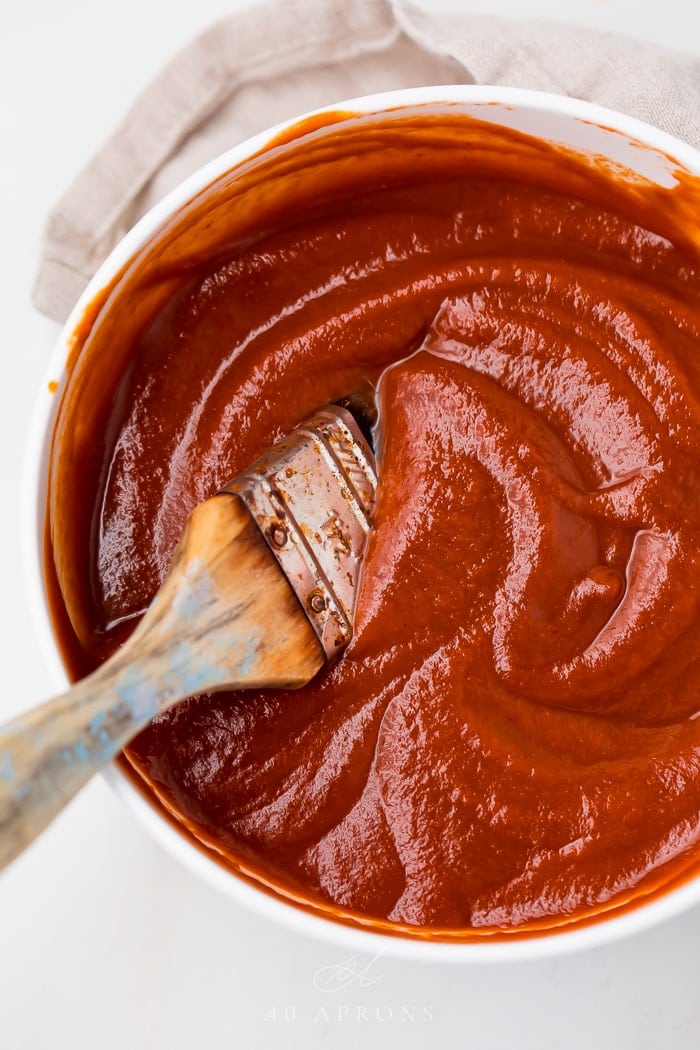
(509, 743)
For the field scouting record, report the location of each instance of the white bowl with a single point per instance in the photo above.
(581, 126)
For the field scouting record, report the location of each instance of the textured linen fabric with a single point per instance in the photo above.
(277, 60)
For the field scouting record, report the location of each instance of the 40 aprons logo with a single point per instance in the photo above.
(337, 976)
(339, 1006)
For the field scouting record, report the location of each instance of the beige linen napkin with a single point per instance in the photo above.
(276, 60)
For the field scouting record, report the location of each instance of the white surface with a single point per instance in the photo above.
(105, 941)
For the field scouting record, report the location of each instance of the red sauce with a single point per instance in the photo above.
(510, 741)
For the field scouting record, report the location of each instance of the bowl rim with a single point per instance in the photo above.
(609, 926)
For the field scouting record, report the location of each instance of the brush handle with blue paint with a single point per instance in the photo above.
(225, 618)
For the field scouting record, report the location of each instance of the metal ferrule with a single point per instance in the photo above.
(312, 497)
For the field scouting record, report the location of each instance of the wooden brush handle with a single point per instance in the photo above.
(225, 618)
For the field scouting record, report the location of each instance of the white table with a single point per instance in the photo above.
(105, 943)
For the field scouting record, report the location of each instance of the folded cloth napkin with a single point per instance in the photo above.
(274, 61)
